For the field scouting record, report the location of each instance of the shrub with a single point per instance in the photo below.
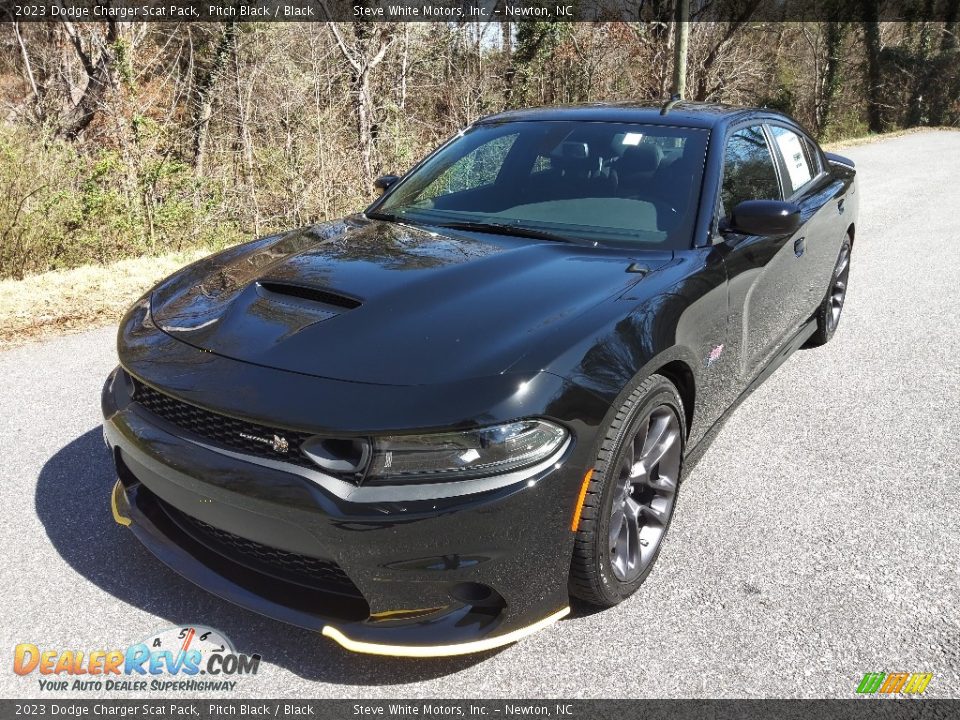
(60, 208)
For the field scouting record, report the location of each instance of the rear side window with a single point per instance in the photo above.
(798, 156)
(748, 169)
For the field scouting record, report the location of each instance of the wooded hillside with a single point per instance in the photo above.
(121, 140)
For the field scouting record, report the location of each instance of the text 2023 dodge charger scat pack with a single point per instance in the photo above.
(421, 429)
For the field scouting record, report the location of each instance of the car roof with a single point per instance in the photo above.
(682, 113)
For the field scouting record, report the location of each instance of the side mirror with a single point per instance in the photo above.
(385, 182)
(765, 217)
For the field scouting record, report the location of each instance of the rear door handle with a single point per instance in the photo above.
(799, 245)
(840, 207)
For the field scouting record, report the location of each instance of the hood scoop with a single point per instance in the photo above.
(264, 313)
(306, 296)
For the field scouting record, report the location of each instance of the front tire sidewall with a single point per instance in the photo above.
(662, 392)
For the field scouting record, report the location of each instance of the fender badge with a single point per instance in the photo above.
(714, 355)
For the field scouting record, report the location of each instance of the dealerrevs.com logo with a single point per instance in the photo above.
(193, 658)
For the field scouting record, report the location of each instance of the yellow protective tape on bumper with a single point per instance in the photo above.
(115, 495)
(466, 648)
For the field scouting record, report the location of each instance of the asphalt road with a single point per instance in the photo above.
(817, 540)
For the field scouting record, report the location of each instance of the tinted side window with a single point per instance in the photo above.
(748, 170)
(797, 158)
(813, 154)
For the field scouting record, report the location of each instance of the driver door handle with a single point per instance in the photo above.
(799, 245)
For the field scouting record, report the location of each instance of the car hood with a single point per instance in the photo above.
(380, 302)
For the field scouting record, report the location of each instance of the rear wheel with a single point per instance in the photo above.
(631, 496)
(828, 316)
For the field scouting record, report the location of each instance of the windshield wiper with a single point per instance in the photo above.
(506, 229)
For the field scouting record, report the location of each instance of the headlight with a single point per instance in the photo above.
(461, 455)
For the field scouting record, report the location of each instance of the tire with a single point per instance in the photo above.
(830, 310)
(600, 573)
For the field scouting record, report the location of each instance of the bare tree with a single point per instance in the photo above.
(205, 133)
(34, 99)
(364, 53)
(872, 47)
(830, 82)
(207, 78)
(100, 75)
(706, 70)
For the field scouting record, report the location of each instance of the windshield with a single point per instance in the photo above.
(610, 183)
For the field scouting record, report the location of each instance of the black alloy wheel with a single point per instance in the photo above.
(631, 496)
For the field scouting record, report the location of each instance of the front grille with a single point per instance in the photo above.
(310, 572)
(222, 429)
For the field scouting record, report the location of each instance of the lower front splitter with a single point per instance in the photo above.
(460, 631)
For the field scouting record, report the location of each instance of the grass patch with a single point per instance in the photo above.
(62, 209)
(61, 301)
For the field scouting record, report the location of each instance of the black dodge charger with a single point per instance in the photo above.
(421, 429)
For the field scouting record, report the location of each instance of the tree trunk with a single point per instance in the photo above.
(203, 99)
(100, 78)
(364, 113)
(871, 42)
(923, 71)
(831, 73)
(368, 51)
(950, 40)
(244, 140)
(35, 98)
(510, 70)
(682, 34)
(404, 67)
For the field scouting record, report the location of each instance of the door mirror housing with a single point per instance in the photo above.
(764, 217)
(385, 182)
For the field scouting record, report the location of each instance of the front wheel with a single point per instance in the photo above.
(631, 495)
(828, 315)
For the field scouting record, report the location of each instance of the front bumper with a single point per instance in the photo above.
(410, 577)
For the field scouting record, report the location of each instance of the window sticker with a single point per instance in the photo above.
(793, 156)
(632, 138)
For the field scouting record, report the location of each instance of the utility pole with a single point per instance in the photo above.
(681, 34)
